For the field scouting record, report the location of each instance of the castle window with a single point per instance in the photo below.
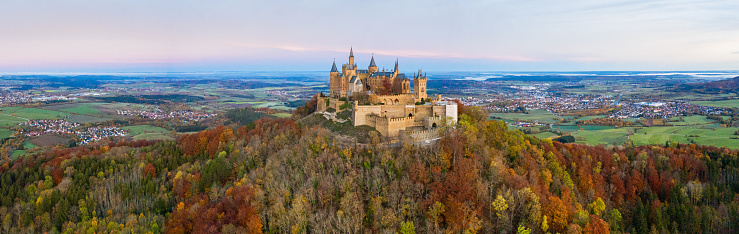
(410, 115)
(433, 125)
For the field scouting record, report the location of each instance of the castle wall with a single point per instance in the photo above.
(423, 111)
(403, 99)
(332, 103)
(361, 113)
(397, 124)
(451, 111)
(421, 135)
(321, 103)
(432, 122)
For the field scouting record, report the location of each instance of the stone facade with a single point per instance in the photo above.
(399, 111)
(344, 82)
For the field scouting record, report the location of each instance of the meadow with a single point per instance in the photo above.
(725, 103)
(148, 132)
(691, 120)
(542, 116)
(691, 129)
(658, 135)
(5, 133)
(15, 115)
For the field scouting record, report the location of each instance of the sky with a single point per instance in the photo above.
(278, 35)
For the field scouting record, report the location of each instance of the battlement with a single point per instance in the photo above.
(401, 119)
(394, 96)
(435, 118)
(421, 135)
(377, 120)
(427, 131)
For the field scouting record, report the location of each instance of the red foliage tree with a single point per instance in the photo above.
(57, 175)
(150, 170)
(235, 209)
(597, 225)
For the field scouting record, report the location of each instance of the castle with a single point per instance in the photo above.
(383, 100)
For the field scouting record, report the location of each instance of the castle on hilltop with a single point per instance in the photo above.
(383, 99)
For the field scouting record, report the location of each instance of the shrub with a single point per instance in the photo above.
(565, 139)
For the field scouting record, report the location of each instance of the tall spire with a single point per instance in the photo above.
(396, 64)
(333, 68)
(351, 52)
(372, 63)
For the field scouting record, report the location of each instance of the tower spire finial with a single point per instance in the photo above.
(351, 51)
(372, 62)
(333, 68)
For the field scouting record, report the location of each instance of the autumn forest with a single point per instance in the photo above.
(278, 175)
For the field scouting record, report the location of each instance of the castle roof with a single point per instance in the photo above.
(351, 52)
(372, 63)
(333, 68)
(355, 79)
(388, 74)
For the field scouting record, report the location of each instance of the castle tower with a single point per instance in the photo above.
(336, 81)
(396, 67)
(405, 86)
(351, 56)
(372, 67)
(419, 83)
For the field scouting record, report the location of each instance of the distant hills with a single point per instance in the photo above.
(714, 87)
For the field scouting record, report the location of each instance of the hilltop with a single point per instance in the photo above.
(275, 175)
(714, 87)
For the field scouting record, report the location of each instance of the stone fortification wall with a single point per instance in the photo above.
(422, 135)
(403, 99)
(332, 103)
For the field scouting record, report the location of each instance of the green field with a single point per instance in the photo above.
(591, 117)
(27, 145)
(542, 116)
(5, 133)
(15, 115)
(602, 136)
(726, 103)
(544, 135)
(82, 109)
(282, 115)
(658, 135)
(707, 136)
(573, 128)
(86, 119)
(141, 129)
(148, 132)
(691, 120)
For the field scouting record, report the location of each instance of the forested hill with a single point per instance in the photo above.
(714, 87)
(278, 177)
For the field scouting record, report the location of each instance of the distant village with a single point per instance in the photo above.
(63, 127)
(536, 97)
(185, 116)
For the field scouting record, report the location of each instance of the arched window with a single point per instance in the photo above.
(410, 115)
(433, 125)
(396, 101)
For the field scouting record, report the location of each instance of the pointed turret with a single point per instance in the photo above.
(372, 67)
(333, 68)
(396, 65)
(351, 56)
(419, 85)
